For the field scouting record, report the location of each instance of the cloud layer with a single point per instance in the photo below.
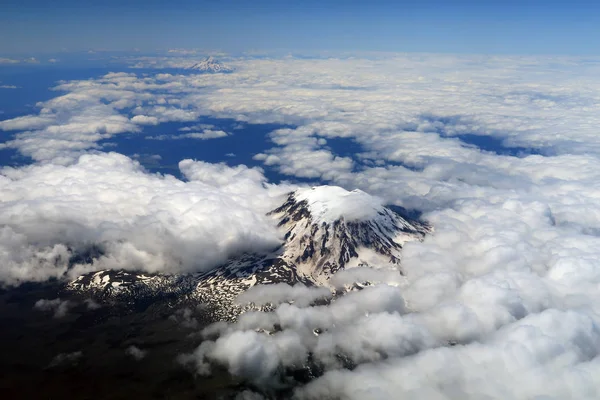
(51, 213)
(501, 153)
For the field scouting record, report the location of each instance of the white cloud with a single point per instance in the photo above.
(183, 52)
(205, 135)
(249, 395)
(58, 306)
(185, 317)
(281, 293)
(90, 304)
(135, 352)
(141, 221)
(4, 60)
(197, 127)
(549, 355)
(66, 359)
(67, 126)
(144, 120)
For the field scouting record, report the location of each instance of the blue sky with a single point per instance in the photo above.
(517, 27)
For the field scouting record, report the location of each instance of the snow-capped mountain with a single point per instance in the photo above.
(325, 229)
(210, 65)
(328, 228)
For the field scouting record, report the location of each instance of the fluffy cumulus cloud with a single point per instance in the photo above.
(281, 293)
(204, 135)
(53, 213)
(502, 154)
(66, 359)
(487, 341)
(59, 307)
(549, 355)
(135, 352)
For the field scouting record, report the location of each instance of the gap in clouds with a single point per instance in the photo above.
(12, 157)
(345, 147)
(350, 147)
(34, 84)
(495, 145)
(457, 126)
(239, 147)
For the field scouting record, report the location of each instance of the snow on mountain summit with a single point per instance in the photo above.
(210, 65)
(331, 203)
(328, 228)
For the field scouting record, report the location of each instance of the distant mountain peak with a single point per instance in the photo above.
(210, 65)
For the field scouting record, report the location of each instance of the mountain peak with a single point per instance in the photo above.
(210, 65)
(328, 228)
(331, 203)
